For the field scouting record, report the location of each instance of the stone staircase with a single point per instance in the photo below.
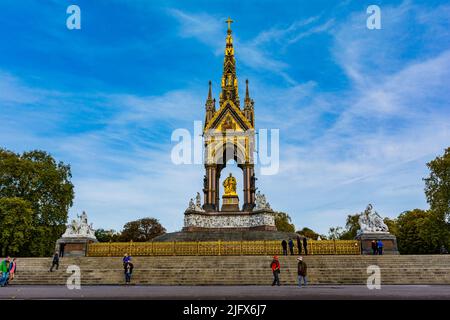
(238, 270)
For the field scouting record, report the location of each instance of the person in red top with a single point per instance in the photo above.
(275, 265)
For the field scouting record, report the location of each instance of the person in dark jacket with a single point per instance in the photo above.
(275, 266)
(128, 270)
(305, 245)
(291, 246)
(299, 245)
(380, 247)
(284, 246)
(374, 247)
(55, 262)
(302, 271)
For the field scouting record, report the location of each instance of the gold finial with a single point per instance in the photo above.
(229, 21)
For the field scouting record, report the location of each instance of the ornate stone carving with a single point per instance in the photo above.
(80, 228)
(231, 221)
(261, 203)
(371, 222)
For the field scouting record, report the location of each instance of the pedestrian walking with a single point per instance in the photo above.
(380, 247)
(275, 266)
(128, 270)
(374, 247)
(55, 262)
(12, 270)
(291, 246)
(305, 245)
(284, 246)
(299, 245)
(302, 271)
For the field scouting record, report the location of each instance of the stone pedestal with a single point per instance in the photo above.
(389, 242)
(230, 203)
(73, 247)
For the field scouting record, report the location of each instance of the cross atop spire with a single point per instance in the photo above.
(229, 21)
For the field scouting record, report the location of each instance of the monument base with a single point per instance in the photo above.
(388, 239)
(73, 247)
(262, 220)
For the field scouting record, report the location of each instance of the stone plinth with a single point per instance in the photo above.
(231, 220)
(73, 247)
(230, 203)
(388, 239)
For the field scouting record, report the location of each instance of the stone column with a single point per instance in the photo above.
(210, 190)
(249, 189)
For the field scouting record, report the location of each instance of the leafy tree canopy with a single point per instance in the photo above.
(37, 178)
(142, 230)
(16, 225)
(283, 222)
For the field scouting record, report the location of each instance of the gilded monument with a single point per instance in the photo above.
(229, 134)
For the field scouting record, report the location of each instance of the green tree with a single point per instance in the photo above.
(335, 233)
(437, 185)
(351, 227)
(310, 234)
(36, 177)
(142, 230)
(283, 222)
(421, 232)
(103, 235)
(16, 226)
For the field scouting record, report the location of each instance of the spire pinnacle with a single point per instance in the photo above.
(210, 91)
(229, 78)
(247, 94)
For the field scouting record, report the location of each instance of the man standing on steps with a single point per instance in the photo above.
(55, 262)
(291, 246)
(299, 245)
(374, 247)
(128, 266)
(301, 271)
(284, 246)
(305, 245)
(275, 266)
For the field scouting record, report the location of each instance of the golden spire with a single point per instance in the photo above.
(229, 78)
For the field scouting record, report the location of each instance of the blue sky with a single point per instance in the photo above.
(360, 111)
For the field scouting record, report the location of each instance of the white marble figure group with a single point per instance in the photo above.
(261, 202)
(80, 228)
(371, 222)
(197, 206)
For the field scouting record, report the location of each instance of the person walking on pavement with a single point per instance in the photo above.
(284, 246)
(291, 246)
(305, 245)
(301, 271)
(299, 245)
(380, 247)
(275, 266)
(55, 262)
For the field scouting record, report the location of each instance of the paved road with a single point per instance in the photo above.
(228, 292)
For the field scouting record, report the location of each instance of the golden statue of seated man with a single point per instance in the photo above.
(230, 185)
